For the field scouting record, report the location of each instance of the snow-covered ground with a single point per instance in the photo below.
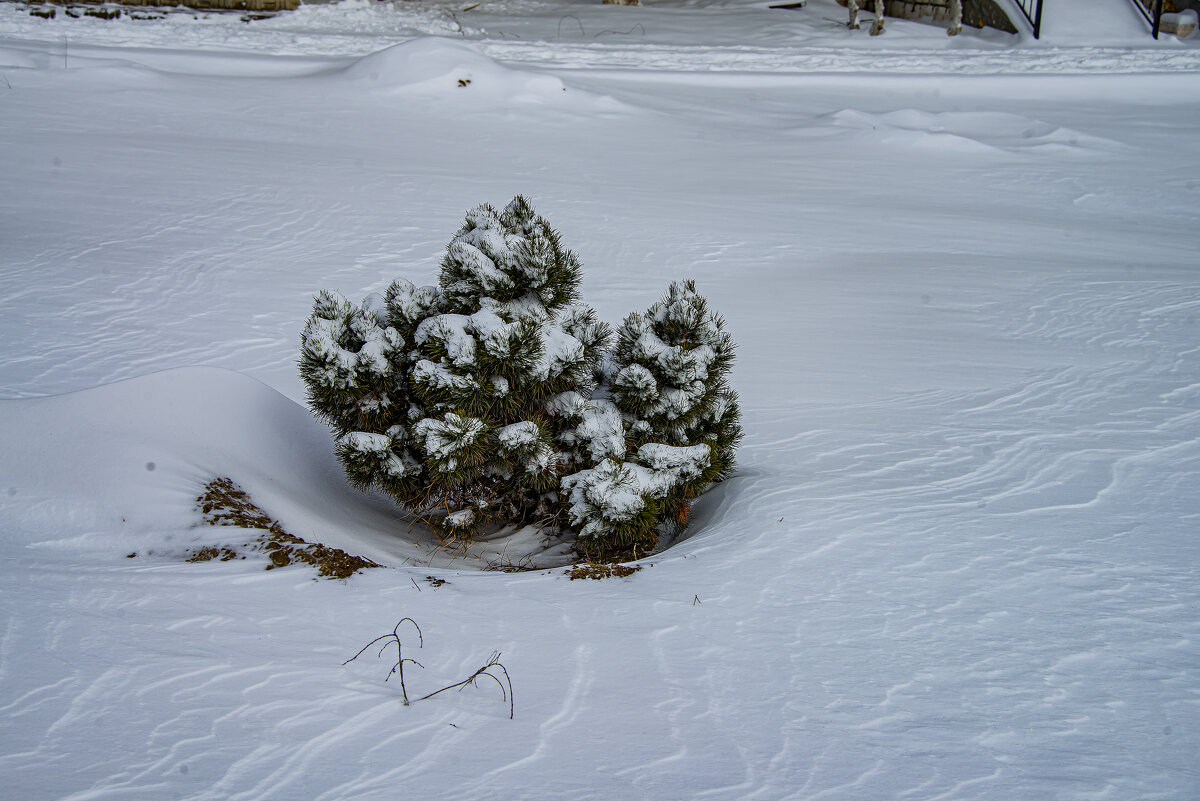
(960, 557)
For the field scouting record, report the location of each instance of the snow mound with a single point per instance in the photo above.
(12, 58)
(436, 66)
(969, 131)
(129, 459)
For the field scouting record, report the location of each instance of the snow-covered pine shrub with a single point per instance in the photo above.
(492, 400)
(669, 378)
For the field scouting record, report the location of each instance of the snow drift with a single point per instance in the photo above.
(433, 67)
(111, 469)
(959, 558)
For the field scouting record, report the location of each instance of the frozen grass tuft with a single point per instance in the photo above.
(224, 503)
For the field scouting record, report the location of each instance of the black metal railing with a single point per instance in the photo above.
(1152, 10)
(1032, 9)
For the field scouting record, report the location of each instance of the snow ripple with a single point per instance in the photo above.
(983, 591)
(1030, 599)
(948, 594)
(846, 59)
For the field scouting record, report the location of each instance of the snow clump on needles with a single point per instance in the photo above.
(496, 400)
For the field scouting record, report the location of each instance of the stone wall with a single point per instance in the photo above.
(201, 5)
(976, 13)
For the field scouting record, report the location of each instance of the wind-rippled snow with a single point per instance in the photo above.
(958, 559)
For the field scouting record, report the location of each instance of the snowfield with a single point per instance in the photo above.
(959, 559)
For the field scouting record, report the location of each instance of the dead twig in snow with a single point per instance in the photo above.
(566, 17)
(622, 33)
(400, 658)
(493, 662)
(493, 669)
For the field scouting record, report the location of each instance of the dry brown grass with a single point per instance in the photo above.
(224, 503)
(599, 570)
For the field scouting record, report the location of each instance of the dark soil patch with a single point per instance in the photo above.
(597, 570)
(226, 504)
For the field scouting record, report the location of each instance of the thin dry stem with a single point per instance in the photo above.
(493, 662)
(400, 658)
